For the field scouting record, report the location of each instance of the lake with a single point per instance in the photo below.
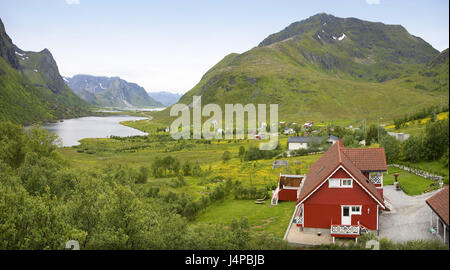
(133, 109)
(73, 130)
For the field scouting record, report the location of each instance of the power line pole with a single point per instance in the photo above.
(378, 128)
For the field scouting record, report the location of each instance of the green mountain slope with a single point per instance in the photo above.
(111, 92)
(19, 100)
(31, 87)
(325, 68)
(432, 77)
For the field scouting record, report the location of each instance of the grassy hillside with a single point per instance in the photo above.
(328, 68)
(433, 77)
(19, 100)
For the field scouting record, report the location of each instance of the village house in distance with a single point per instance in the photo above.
(295, 143)
(341, 196)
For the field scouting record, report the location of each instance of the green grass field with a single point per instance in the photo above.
(411, 183)
(261, 217)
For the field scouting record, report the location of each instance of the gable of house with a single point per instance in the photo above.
(327, 194)
(329, 164)
(323, 207)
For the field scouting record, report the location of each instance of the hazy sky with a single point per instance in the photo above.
(169, 45)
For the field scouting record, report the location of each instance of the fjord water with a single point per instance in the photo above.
(73, 130)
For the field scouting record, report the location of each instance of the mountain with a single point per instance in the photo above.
(432, 77)
(7, 51)
(327, 68)
(110, 92)
(166, 98)
(31, 88)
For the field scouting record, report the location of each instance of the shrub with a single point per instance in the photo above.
(226, 156)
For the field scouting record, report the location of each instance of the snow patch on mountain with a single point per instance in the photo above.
(342, 37)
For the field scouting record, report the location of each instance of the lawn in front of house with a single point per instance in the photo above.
(411, 184)
(262, 217)
(433, 166)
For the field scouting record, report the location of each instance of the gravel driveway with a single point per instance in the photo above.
(409, 219)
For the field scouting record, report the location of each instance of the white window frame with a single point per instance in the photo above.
(346, 179)
(334, 182)
(340, 184)
(356, 212)
(351, 213)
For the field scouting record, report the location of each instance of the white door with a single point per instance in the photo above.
(346, 217)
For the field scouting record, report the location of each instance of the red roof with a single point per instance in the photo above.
(439, 203)
(367, 159)
(327, 164)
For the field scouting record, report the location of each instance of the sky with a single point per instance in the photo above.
(168, 45)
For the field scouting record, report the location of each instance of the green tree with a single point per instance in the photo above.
(187, 170)
(413, 148)
(226, 156)
(42, 142)
(12, 144)
(391, 147)
(241, 152)
(350, 141)
(142, 175)
(436, 139)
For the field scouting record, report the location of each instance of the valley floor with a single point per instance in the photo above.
(143, 151)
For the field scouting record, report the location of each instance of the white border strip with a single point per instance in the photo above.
(290, 223)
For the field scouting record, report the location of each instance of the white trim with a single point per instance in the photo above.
(364, 188)
(378, 213)
(340, 166)
(356, 213)
(346, 186)
(293, 175)
(445, 229)
(340, 183)
(350, 211)
(303, 214)
(349, 215)
(334, 183)
(290, 187)
(437, 224)
(320, 185)
(290, 223)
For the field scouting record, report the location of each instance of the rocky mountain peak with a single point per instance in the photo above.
(7, 48)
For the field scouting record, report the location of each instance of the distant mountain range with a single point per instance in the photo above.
(165, 98)
(31, 88)
(110, 92)
(321, 68)
(326, 68)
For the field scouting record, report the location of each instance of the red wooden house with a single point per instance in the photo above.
(342, 193)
